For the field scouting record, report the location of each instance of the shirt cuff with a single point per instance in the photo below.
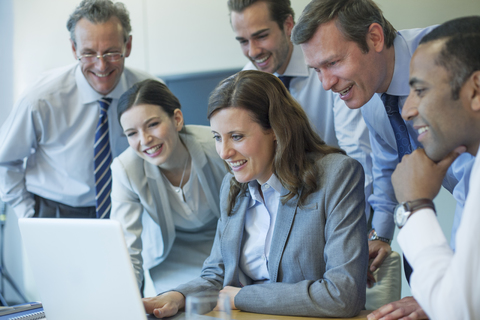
(421, 231)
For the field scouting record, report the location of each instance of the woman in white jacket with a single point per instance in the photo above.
(165, 190)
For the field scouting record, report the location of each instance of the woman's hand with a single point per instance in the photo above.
(165, 305)
(231, 292)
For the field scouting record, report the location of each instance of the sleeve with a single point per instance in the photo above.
(127, 209)
(341, 290)
(19, 136)
(445, 283)
(213, 270)
(353, 137)
(382, 200)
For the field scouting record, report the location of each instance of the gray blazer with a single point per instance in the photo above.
(319, 254)
(138, 188)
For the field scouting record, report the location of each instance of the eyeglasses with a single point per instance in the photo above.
(92, 58)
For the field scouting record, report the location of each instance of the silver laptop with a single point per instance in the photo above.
(82, 269)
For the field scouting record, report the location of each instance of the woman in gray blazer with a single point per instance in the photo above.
(165, 188)
(291, 236)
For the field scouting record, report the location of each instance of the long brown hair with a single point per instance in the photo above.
(271, 106)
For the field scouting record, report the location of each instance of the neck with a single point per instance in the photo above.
(176, 162)
(389, 57)
(287, 61)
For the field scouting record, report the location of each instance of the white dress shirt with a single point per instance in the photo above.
(53, 126)
(334, 122)
(444, 282)
(259, 225)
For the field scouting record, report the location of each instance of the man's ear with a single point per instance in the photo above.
(128, 47)
(74, 49)
(475, 82)
(375, 37)
(288, 25)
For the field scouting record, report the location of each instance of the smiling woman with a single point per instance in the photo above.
(165, 186)
(292, 213)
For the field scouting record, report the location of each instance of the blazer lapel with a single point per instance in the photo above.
(200, 163)
(163, 217)
(232, 240)
(283, 225)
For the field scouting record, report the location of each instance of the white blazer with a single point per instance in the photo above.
(138, 187)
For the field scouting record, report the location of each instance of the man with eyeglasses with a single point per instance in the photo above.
(66, 127)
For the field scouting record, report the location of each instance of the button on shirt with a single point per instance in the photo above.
(259, 225)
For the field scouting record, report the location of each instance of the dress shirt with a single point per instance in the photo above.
(384, 147)
(446, 283)
(259, 223)
(53, 126)
(190, 208)
(334, 122)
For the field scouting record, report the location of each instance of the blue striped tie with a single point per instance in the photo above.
(101, 162)
(402, 137)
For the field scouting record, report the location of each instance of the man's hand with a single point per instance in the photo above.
(165, 305)
(378, 251)
(231, 292)
(405, 309)
(417, 176)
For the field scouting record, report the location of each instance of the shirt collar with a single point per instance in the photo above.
(88, 95)
(296, 66)
(273, 182)
(399, 84)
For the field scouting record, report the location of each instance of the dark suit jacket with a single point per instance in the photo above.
(319, 254)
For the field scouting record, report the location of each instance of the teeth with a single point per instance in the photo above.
(422, 130)
(100, 75)
(262, 60)
(237, 163)
(344, 92)
(154, 149)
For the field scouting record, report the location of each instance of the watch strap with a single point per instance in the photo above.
(418, 204)
(372, 235)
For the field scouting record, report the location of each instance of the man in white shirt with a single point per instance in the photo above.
(263, 29)
(66, 126)
(444, 106)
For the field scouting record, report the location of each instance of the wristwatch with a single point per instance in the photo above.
(404, 210)
(372, 235)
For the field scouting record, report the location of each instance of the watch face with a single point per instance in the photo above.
(400, 216)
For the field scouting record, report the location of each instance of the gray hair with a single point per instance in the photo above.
(99, 11)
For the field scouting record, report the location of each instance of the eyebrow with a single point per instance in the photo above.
(255, 34)
(144, 122)
(324, 61)
(413, 81)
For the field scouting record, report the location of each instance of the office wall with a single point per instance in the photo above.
(169, 38)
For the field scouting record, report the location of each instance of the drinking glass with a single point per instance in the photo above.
(201, 303)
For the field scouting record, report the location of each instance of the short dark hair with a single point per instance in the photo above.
(279, 9)
(354, 17)
(460, 55)
(99, 11)
(270, 105)
(149, 91)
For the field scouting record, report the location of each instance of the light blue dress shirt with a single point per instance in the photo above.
(384, 147)
(53, 126)
(334, 122)
(259, 225)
